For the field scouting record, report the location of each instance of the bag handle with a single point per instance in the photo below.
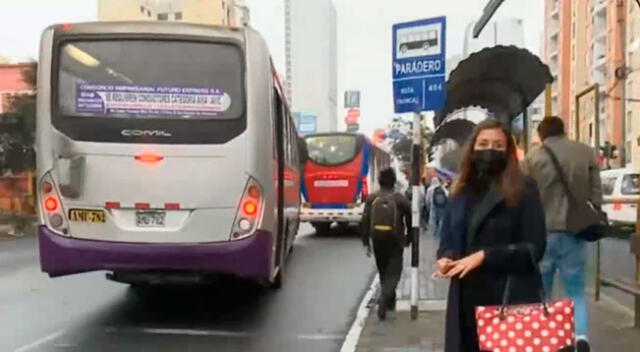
(508, 287)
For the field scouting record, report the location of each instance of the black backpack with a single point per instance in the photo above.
(384, 214)
(439, 197)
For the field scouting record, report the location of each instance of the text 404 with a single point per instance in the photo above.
(434, 87)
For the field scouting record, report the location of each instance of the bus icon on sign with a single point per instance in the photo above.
(419, 41)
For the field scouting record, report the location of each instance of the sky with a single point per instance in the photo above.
(364, 36)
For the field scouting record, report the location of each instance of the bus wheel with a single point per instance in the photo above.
(322, 228)
(278, 281)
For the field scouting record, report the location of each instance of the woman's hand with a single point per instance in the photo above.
(443, 265)
(465, 265)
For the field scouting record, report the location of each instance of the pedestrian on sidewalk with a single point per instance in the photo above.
(492, 226)
(386, 218)
(566, 253)
(437, 198)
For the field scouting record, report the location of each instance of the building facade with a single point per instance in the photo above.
(632, 101)
(586, 43)
(557, 55)
(311, 60)
(212, 12)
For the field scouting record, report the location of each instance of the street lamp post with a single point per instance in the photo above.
(488, 12)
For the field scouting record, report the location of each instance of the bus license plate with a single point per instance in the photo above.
(150, 218)
(331, 183)
(87, 215)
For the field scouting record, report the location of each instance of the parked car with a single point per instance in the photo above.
(621, 190)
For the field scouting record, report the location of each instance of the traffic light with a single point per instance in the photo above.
(609, 151)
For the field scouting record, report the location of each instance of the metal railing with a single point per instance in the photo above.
(629, 286)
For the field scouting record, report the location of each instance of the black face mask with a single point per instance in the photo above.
(490, 162)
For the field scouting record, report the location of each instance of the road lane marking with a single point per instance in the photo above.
(351, 340)
(320, 337)
(178, 331)
(217, 333)
(40, 342)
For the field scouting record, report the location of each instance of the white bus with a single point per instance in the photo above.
(161, 148)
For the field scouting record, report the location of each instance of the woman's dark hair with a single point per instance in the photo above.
(510, 182)
(387, 178)
(551, 126)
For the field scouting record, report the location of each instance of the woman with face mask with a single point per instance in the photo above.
(493, 223)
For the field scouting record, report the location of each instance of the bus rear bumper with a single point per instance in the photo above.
(249, 258)
(331, 215)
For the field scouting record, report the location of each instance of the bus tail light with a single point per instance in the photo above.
(365, 188)
(249, 211)
(250, 208)
(51, 206)
(149, 158)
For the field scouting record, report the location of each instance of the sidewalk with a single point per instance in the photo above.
(611, 330)
(611, 324)
(430, 289)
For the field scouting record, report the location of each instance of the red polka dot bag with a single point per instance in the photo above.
(543, 327)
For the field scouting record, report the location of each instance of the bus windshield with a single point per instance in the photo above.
(332, 150)
(150, 79)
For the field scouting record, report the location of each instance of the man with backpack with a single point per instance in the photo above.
(386, 218)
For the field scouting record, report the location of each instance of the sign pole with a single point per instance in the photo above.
(415, 214)
(418, 71)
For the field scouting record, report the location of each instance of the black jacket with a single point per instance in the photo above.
(404, 208)
(507, 235)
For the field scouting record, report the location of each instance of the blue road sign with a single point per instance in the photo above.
(307, 124)
(419, 57)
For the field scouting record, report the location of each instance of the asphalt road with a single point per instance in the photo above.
(326, 279)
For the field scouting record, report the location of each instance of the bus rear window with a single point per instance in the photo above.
(332, 150)
(143, 79)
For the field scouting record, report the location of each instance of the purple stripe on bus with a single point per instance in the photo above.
(248, 258)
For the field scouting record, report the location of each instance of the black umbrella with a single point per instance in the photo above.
(503, 79)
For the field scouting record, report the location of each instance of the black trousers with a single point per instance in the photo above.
(388, 254)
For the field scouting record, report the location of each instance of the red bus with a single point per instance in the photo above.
(340, 171)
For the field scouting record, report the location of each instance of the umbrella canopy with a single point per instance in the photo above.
(502, 79)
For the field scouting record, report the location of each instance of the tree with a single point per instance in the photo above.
(18, 128)
(401, 149)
